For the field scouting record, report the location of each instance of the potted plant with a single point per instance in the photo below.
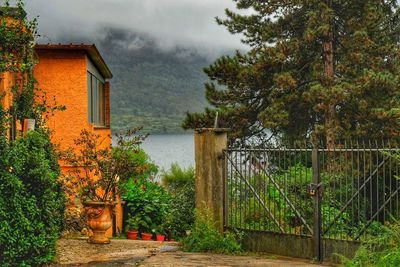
(147, 201)
(92, 180)
(132, 228)
(146, 226)
(147, 235)
(160, 233)
(97, 172)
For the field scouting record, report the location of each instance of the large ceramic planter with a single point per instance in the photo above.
(99, 221)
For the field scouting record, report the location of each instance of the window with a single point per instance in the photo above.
(96, 112)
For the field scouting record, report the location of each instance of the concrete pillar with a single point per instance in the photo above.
(209, 144)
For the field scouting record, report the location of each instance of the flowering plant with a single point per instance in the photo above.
(96, 169)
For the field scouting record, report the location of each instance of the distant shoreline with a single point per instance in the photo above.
(165, 149)
(188, 132)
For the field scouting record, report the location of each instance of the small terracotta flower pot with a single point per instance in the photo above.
(160, 238)
(146, 236)
(132, 235)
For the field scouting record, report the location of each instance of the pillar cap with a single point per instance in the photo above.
(215, 130)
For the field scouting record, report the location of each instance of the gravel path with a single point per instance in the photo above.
(78, 252)
(74, 252)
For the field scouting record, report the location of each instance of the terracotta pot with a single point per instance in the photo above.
(146, 236)
(132, 234)
(99, 221)
(160, 238)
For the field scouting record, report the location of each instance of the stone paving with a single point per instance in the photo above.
(75, 252)
(180, 258)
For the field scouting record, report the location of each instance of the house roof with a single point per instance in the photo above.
(90, 50)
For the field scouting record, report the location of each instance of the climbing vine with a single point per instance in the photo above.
(17, 57)
(32, 200)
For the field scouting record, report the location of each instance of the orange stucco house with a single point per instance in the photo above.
(79, 79)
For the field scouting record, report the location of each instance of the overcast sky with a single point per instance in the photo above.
(183, 23)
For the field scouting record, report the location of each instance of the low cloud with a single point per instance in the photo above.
(170, 23)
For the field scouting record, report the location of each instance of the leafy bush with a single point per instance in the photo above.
(148, 203)
(112, 167)
(130, 158)
(180, 184)
(31, 201)
(204, 237)
(177, 177)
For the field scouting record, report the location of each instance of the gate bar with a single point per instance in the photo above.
(225, 189)
(317, 206)
(257, 196)
(286, 199)
(360, 188)
(376, 213)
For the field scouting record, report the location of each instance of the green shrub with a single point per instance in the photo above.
(204, 237)
(383, 250)
(180, 184)
(130, 158)
(147, 202)
(177, 177)
(31, 201)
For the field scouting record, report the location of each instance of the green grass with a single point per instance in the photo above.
(205, 237)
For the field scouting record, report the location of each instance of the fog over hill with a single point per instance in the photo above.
(151, 86)
(155, 49)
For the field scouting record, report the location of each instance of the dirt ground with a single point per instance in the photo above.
(75, 252)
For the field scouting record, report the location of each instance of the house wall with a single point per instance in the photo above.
(62, 75)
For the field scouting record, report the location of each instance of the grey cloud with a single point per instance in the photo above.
(170, 23)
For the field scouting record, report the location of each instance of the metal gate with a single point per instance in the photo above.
(311, 202)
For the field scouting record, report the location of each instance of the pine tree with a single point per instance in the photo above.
(323, 68)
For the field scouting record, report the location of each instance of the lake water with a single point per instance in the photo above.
(167, 149)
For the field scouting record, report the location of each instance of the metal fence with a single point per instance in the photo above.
(349, 192)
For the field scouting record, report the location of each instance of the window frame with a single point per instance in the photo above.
(96, 101)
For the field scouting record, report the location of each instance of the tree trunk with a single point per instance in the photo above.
(330, 112)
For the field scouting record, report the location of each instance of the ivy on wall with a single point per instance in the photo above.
(32, 200)
(17, 36)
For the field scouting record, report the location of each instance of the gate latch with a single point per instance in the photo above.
(312, 189)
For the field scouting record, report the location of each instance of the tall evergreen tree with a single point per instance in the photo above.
(326, 68)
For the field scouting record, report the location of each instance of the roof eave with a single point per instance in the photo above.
(90, 50)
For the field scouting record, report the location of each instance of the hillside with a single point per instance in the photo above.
(151, 87)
